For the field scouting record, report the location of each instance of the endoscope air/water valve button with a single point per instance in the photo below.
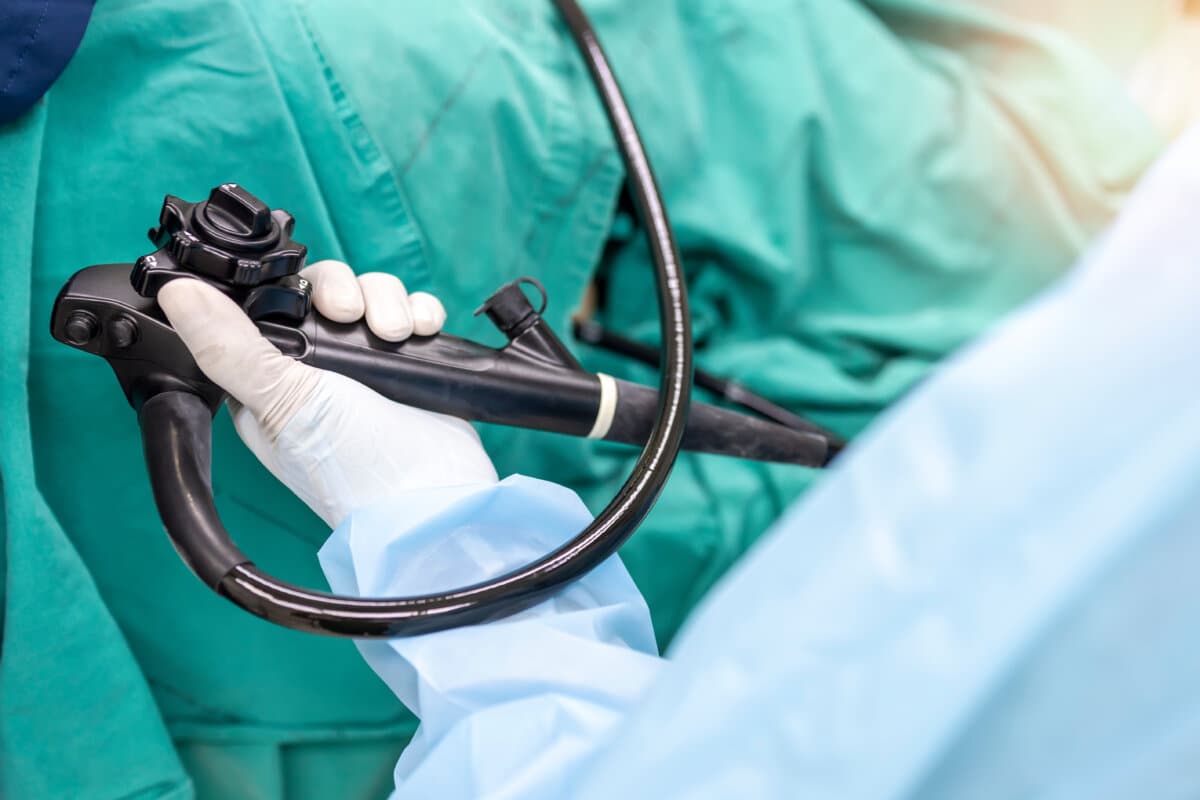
(81, 327)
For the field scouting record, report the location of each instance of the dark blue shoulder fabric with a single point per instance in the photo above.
(37, 39)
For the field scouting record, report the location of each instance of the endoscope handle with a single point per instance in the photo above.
(521, 385)
(448, 374)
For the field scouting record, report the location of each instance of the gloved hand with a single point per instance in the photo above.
(337, 444)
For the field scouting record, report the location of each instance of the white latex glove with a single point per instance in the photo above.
(337, 444)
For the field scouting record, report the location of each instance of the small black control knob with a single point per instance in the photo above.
(81, 327)
(122, 332)
(237, 212)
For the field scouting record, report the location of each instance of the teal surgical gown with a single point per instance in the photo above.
(857, 187)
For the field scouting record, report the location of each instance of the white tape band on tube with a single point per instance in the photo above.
(608, 406)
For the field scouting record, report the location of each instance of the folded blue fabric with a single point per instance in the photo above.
(37, 39)
(508, 709)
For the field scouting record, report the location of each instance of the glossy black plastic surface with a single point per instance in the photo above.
(152, 361)
(510, 387)
(177, 442)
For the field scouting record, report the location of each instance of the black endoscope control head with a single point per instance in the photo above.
(235, 242)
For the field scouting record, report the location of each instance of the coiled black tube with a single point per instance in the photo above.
(304, 609)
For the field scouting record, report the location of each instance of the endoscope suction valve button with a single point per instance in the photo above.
(289, 298)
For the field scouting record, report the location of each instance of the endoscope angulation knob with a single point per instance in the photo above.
(233, 241)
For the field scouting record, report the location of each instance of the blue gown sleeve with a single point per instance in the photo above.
(512, 708)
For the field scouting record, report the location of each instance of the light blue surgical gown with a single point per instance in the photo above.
(993, 595)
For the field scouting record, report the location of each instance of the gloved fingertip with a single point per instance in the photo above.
(429, 315)
(176, 296)
(339, 303)
(397, 328)
(388, 310)
(192, 306)
(336, 292)
(423, 323)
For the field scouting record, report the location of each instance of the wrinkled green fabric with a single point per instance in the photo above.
(857, 188)
(63, 665)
